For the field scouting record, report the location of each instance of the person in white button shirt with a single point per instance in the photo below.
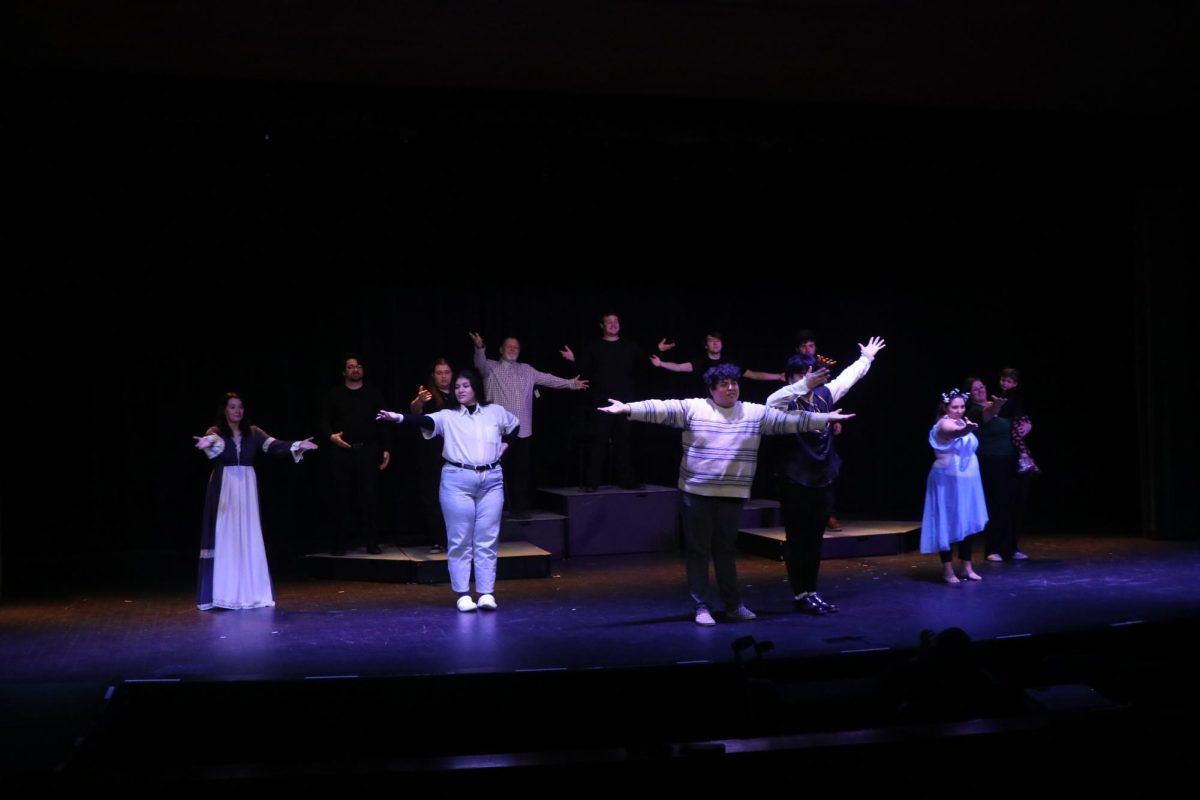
(472, 486)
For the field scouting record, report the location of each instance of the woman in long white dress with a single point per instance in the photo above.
(233, 560)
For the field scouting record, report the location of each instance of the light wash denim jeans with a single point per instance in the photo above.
(471, 503)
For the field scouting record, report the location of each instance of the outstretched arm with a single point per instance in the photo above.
(422, 421)
(615, 407)
(756, 375)
(672, 366)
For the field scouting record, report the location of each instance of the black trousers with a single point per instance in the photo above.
(429, 470)
(805, 510)
(964, 550)
(614, 427)
(1004, 491)
(516, 474)
(355, 477)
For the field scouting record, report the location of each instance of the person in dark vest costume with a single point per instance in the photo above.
(810, 466)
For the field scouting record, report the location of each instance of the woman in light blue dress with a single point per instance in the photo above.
(954, 505)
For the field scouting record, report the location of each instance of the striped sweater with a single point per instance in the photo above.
(720, 445)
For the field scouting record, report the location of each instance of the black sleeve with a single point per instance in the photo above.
(420, 420)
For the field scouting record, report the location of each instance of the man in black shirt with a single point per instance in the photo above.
(608, 364)
(362, 448)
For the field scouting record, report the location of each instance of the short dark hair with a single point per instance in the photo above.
(798, 365)
(1011, 372)
(722, 372)
(805, 335)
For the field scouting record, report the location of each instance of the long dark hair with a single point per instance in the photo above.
(222, 425)
(471, 374)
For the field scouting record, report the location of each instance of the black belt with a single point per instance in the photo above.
(480, 468)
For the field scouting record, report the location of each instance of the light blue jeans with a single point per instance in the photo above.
(471, 503)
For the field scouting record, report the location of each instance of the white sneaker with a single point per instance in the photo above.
(703, 617)
(996, 557)
(487, 602)
(1019, 556)
(741, 614)
(465, 603)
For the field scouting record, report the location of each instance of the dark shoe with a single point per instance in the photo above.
(830, 608)
(589, 489)
(810, 605)
(374, 549)
(633, 487)
(434, 549)
(833, 524)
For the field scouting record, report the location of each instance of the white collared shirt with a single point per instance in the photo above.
(472, 438)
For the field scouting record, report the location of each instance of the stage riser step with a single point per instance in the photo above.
(770, 543)
(547, 531)
(612, 520)
(516, 560)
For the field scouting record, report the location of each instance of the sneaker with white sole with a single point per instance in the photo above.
(487, 602)
(741, 614)
(465, 603)
(704, 617)
(995, 557)
(1019, 556)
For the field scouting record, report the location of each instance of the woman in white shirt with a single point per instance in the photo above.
(472, 484)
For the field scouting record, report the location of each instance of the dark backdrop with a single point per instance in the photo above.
(180, 235)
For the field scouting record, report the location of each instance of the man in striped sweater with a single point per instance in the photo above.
(720, 453)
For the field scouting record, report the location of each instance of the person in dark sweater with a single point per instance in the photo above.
(608, 363)
(1003, 486)
(429, 399)
(361, 449)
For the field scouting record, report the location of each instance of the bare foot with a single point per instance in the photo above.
(971, 575)
(950, 577)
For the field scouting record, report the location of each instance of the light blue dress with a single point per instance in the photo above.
(954, 505)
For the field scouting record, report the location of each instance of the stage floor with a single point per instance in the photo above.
(593, 612)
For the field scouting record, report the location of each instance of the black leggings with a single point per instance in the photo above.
(964, 551)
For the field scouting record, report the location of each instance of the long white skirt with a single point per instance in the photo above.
(240, 576)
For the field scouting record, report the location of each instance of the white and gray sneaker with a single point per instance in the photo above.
(487, 602)
(741, 614)
(465, 603)
(703, 617)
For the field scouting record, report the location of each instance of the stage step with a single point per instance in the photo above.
(515, 559)
(858, 538)
(544, 529)
(759, 513)
(613, 520)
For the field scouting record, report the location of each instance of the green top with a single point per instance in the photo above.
(995, 437)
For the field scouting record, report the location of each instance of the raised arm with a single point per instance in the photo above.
(855, 372)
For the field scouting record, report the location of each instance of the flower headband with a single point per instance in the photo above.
(953, 393)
